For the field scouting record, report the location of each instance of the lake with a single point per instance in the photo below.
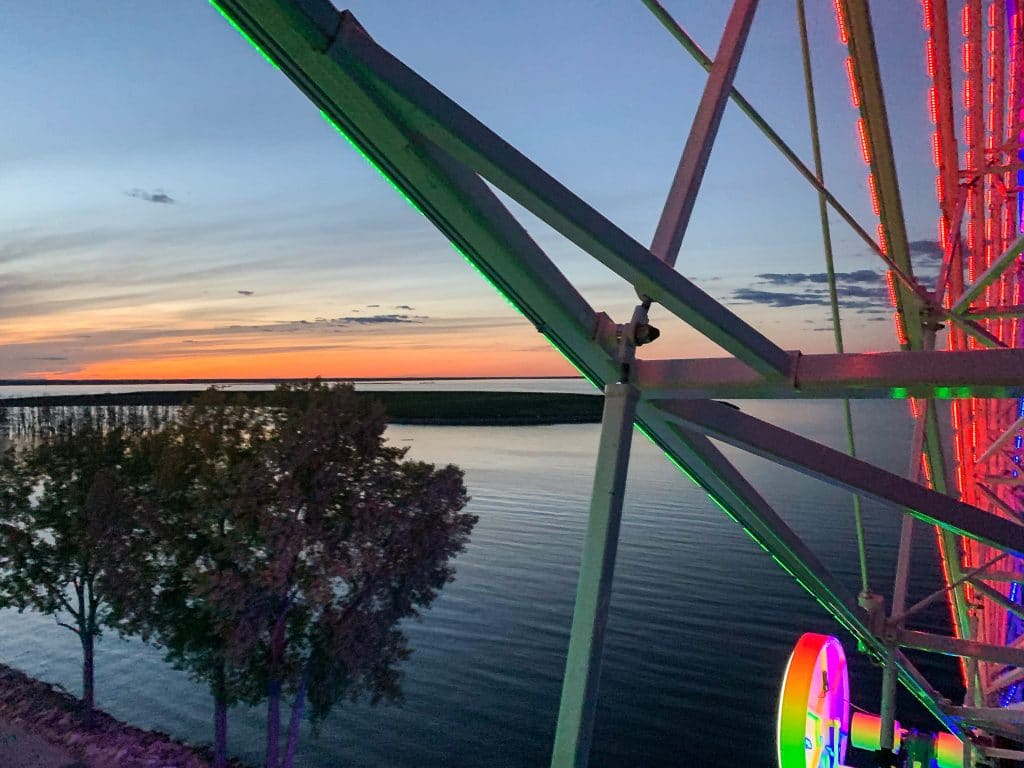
(701, 622)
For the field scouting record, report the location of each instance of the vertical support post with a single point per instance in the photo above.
(593, 593)
(888, 714)
(681, 197)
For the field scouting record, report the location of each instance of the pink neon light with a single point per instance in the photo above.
(844, 37)
(854, 95)
(901, 332)
(862, 135)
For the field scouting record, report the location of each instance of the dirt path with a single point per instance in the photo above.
(21, 749)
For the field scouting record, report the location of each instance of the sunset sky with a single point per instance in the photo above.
(173, 207)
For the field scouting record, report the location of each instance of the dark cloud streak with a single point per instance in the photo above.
(156, 196)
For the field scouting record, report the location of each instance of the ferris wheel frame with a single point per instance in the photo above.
(438, 157)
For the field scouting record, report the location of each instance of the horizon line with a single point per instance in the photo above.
(270, 380)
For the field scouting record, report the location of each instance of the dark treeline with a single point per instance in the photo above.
(442, 407)
(270, 548)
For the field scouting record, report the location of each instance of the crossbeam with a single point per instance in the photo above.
(994, 272)
(954, 646)
(895, 375)
(731, 425)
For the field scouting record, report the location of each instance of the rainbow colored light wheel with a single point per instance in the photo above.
(814, 708)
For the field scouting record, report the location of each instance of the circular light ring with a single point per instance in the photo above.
(814, 708)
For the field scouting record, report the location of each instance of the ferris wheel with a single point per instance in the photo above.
(963, 486)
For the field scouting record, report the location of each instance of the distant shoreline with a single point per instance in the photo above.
(438, 408)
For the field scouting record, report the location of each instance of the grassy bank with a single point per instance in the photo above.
(440, 408)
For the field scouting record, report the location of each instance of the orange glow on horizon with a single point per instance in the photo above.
(352, 364)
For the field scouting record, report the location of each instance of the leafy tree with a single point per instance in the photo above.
(60, 504)
(337, 538)
(184, 541)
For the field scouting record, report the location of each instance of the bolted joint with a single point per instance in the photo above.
(874, 606)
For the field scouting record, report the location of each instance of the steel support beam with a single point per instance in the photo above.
(353, 55)
(1013, 430)
(683, 194)
(861, 42)
(594, 590)
(744, 105)
(967, 649)
(729, 424)
(942, 375)
(999, 265)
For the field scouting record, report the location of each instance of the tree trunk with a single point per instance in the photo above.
(220, 719)
(298, 706)
(277, 646)
(88, 677)
(273, 725)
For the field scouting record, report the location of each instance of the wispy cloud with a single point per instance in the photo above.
(321, 324)
(796, 278)
(929, 248)
(782, 299)
(862, 290)
(156, 196)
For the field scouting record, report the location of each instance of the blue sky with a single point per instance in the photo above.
(173, 204)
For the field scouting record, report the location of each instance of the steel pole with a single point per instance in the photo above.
(683, 194)
(593, 593)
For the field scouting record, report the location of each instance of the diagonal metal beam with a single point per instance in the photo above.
(861, 43)
(354, 56)
(811, 458)
(999, 265)
(682, 196)
(744, 105)
(703, 463)
(1014, 429)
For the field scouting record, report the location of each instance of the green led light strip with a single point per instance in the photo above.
(244, 34)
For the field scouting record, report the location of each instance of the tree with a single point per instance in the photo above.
(336, 539)
(183, 542)
(60, 505)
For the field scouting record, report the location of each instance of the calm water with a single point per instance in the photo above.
(701, 624)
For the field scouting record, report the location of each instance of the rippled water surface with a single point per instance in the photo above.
(700, 629)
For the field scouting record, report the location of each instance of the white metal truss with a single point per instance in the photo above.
(439, 157)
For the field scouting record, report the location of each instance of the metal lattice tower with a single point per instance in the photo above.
(441, 159)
